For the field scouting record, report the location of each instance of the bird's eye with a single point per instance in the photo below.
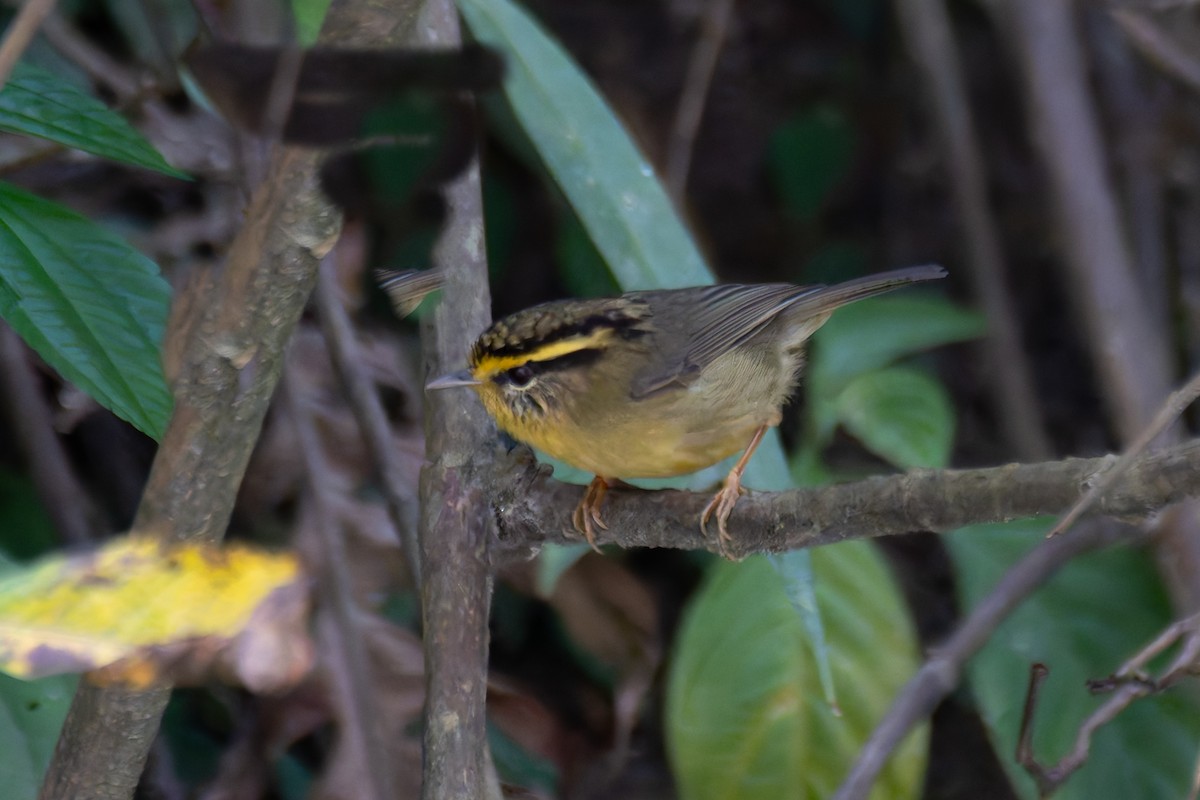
(520, 376)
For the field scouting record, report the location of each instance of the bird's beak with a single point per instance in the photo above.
(461, 378)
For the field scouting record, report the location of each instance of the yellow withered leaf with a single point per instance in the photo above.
(138, 612)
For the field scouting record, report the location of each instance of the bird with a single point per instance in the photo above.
(657, 383)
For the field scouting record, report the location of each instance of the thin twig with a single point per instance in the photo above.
(1159, 48)
(20, 33)
(99, 65)
(1125, 689)
(1176, 404)
(368, 410)
(1135, 667)
(1127, 344)
(940, 674)
(1037, 679)
(336, 584)
(57, 486)
(942, 671)
(1136, 118)
(714, 24)
(931, 44)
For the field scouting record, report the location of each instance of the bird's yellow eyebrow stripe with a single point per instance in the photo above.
(491, 365)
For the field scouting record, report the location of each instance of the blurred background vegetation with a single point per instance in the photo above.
(816, 153)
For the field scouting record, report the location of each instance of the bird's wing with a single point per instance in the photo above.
(714, 320)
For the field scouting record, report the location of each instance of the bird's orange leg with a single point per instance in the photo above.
(587, 514)
(724, 500)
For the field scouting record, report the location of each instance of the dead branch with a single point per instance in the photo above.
(1126, 686)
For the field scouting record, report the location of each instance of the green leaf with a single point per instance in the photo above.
(795, 572)
(92, 306)
(580, 265)
(740, 717)
(35, 102)
(875, 332)
(309, 16)
(1100, 609)
(611, 186)
(901, 415)
(31, 715)
(809, 156)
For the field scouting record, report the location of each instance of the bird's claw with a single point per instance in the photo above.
(721, 506)
(586, 517)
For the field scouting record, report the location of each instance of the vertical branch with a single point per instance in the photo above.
(455, 527)
(231, 364)
(1128, 349)
(368, 411)
(930, 43)
(58, 487)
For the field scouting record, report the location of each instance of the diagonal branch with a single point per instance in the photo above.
(230, 333)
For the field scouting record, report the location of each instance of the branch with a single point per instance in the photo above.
(714, 22)
(926, 26)
(58, 487)
(1127, 343)
(231, 353)
(1127, 685)
(532, 508)
(1159, 48)
(940, 674)
(368, 412)
(455, 525)
(351, 678)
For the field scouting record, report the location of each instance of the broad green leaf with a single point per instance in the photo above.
(92, 306)
(810, 155)
(35, 102)
(1099, 610)
(875, 332)
(31, 715)
(901, 415)
(585, 148)
(142, 611)
(742, 716)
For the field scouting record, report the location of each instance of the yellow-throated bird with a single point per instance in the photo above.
(657, 383)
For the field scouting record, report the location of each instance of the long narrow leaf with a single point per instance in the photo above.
(92, 306)
(611, 186)
(626, 213)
